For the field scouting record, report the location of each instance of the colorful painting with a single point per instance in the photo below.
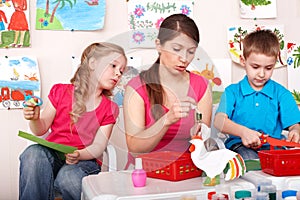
(236, 34)
(293, 61)
(209, 68)
(258, 9)
(133, 65)
(145, 17)
(70, 14)
(14, 24)
(19, 77)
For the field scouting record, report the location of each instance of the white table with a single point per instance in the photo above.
(118, 186)
(281, 182)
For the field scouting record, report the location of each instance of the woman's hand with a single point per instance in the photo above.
(72, 158)
(179, 110)
(31, 111)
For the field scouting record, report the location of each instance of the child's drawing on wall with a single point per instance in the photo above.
(6, 2)
(145, 17)
(19, 77)
(236, 34)
(18, 23)
(133, 69)
(14, 24)
(3, 20)
(258, 9)
(118, 93)
(70, 15)
(293, 61)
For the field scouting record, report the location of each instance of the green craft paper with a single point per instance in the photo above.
(58, 147)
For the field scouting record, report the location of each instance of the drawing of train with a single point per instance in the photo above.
(9, 96)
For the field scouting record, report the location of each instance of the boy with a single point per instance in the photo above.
(257, 104)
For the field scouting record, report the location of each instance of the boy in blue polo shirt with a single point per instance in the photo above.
(257, 103)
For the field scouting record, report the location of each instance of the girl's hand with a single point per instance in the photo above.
(31, 111)
(72, 158)
(250, 139)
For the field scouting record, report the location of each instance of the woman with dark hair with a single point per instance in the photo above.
(159, 103)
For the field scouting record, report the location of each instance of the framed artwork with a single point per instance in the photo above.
(145, 17)
(70, 15)
(293, 61)
(14, 24)
(258, 9)
(19, 77)
(236, 34)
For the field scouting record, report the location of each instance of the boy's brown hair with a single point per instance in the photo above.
(261, 42)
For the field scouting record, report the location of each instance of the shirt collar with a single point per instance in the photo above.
(248, 90)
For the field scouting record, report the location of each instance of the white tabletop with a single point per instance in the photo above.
(118, 186)
(281, 182)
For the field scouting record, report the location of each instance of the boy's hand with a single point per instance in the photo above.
(294, 133)
(293, 136)
(72, 158)
(250, 139)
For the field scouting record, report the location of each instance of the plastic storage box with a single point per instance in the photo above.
(168, 165)
(280, 162)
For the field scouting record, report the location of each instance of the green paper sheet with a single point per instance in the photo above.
(58, 147)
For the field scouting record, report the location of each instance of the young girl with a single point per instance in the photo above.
(158, 103)
(79, 114)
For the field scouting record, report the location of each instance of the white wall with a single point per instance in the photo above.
(54, 50)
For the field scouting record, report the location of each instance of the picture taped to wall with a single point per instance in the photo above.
(70, 15)
(19, 78)
(236, 34)
(258, 9)
(145, 17)
(293, 61)
(14, 24)
(210, 69)
(132, 70)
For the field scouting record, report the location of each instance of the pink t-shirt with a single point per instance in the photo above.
(178, 135)
(84, 131)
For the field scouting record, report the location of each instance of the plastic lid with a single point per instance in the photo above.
(242, 194)
(220, 197)
(138, 163)
(262, 196)
(289, 193)
(210, 194)
(268, 188)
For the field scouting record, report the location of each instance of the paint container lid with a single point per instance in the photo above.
(262, 196)
(210, 194)
(242, 194)
(288, 193)
(268, 188)
(220, 197)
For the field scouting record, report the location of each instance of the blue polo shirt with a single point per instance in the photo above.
(269, 110)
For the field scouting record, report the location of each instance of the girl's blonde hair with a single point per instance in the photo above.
(82, 75)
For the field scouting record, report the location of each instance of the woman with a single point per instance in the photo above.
(158, 104)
